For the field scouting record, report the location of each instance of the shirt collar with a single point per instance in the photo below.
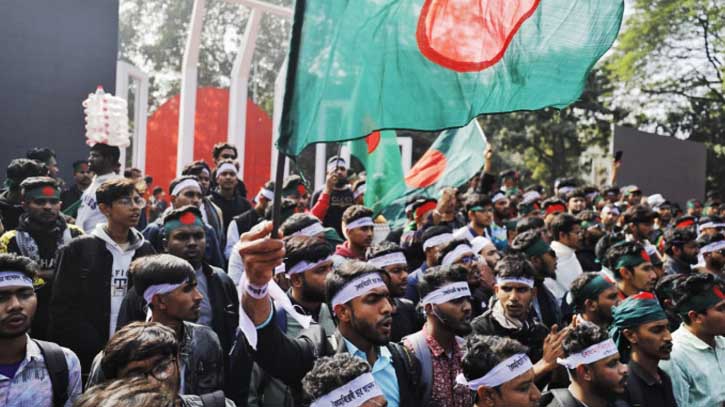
(435, 348)
(32, 351)
(561, 249)
(685, 336)
(383, 352)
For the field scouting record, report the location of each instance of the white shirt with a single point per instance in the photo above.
(567, 270)
(88, 213)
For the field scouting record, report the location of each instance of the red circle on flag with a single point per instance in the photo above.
(427, 171)
(373, 141)
(188, 218)
(48, 191)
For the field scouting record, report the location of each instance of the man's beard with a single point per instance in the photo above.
(368, 331)
(691, 260)
(459, 328)
(310, 293)
(341, 182)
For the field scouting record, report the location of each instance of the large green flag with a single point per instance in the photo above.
(358, 66)
(455, 156)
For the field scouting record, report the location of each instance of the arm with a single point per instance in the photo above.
(232, 238)
(552, 351)
(319, 209)
(75, 386)
(485, 185)
(615, 172)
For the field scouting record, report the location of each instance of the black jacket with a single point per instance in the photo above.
(230, 208)
(531, 336)
(223, 299)
(290, 359)
(80, 305)
(406, 319)
(564, 398)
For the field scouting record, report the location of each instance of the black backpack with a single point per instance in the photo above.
(57, 370)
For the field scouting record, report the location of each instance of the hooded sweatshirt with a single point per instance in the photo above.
(122, 256)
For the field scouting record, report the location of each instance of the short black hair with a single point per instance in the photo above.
(345, 273)
(300, 248)
(449, 247)
(219, 147)
(131, 392)
(128, 172)
(196, 168)
(524, 240)
(37, 182)
(22, 168)
(438, 276)
(678, 237)
(159, 269)
(514, 265)
(332, 372)
(576, 193)
(604, 243)
(577, 286)
(582, 337)
(622, 249)
(297, 222)
(134, 342)
(691, 286)
(157, 190)
(174, 182)
(115, 189)
(474, 199)
(666, 285)
(111, 153)
(42, 154)
(529, 223)
(77, 165)
(356, 212)
(16, 262)
(381, 249)
(482, 353)
(562, 223)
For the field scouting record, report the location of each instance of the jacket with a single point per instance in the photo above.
(290, 359)
(531, 335)
(406, 319)
(212, 253)
(223, 299)
(200, 358)
(675, 266)
(564, 398)
(80, 304)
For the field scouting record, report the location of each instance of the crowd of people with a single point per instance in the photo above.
(490, 294)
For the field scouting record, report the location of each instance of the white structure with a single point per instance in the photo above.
(240, 77)
(125, 73)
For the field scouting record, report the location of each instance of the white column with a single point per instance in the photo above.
(237, 130)
(187, 108)
(279, 87)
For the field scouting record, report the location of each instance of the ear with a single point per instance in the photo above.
(625, 273)
(157, 303)
(583, 372)
(343, 313)
(105, 209)
(295, 280)
(428, 309)
(486, 396)
(172, 198)
(630, 335)
(589, 305)
(694, 317)
(495, 289)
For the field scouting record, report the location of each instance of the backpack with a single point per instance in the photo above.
(57, 368)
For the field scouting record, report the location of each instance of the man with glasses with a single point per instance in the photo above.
(186, 190)
(40, 233)
(91, 277)
(566, 236)
(479, 210)
(459, 252)
(168, 285)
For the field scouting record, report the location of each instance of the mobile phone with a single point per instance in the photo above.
(618, 155)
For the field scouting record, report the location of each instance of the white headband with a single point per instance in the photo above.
(388, 260)
(152, 290)
(455, 254)
(205, 171)
(590, 355)
(611, 209)
(713, 247)
(266, 193)
(359, 191)
(15, 279)
(448, 292)
(311, 230)
(526, 281)
(360, 223)
(592, 195)
(187, 183)
(530, 197)
(498, 197)
(479, 242)
(437, 240)
(352, 394)
(226, 167)
(333, 165)
(504, 372)
(566, 190)
(305, 265)
(357, 287)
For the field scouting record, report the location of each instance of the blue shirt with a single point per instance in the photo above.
(383, 372)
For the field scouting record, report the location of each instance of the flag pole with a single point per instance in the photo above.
(277, 201)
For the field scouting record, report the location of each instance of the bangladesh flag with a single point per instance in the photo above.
(358, 66)
(455, 156)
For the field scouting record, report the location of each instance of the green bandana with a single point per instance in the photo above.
(538, 248)
(632, 260)
(187, 219)
(42, 192)
(700, 303)
(596, 286)
(634, 311)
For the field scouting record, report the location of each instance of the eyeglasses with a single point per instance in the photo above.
(163, 369)
(129, 202)
(468, 259)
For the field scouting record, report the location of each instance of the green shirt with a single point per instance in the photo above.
(697, 370)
